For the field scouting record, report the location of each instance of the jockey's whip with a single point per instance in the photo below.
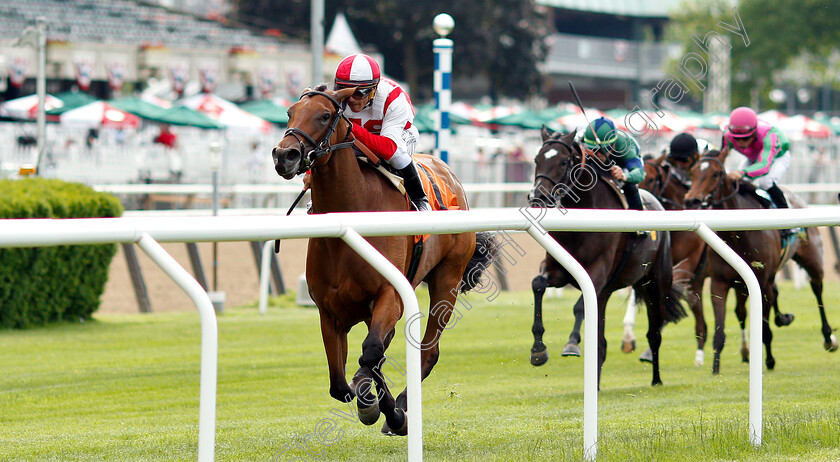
(295, 203)
(580, 105)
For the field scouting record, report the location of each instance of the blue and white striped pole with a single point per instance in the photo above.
(443, 25)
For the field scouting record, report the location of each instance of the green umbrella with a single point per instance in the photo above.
(178, 115)
(71, 100)
(425, 122)
(268, 110)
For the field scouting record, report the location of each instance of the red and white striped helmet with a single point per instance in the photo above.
(357, 70)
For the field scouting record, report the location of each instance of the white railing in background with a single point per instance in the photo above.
(148, 231)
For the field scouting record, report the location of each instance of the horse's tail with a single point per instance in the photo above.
(485, 252)
(674, 308)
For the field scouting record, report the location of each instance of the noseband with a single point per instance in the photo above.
(319, 148)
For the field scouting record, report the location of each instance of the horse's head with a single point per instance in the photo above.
(708, 180)
(555, 163)
(313, 131)
(667, 181)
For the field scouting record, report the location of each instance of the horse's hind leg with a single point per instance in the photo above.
(781, 319)
(810, 259)
(628, 339)
(572, 348)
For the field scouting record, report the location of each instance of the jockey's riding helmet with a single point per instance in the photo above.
(742, 122)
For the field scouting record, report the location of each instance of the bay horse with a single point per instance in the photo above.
(612, 259)
(712, 188)
(346, 289)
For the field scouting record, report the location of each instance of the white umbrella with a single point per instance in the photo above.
(226, 113)
(26, 107)
(99, 114)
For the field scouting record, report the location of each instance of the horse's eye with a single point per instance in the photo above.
(325, 117)
(717, 175)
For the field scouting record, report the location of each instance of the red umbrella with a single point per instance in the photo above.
(99, 114)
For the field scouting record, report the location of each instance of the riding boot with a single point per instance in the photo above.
(779, 199)
(414, 188)
(634, 200)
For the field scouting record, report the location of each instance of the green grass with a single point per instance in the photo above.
(125, 387)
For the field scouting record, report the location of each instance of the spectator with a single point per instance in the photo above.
(166, 137)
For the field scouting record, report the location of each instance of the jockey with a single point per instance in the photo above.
(765, 147)
(623, 152)
(383, 119)
(684, 150)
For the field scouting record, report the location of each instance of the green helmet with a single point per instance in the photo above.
(603, 136)
(609, 139)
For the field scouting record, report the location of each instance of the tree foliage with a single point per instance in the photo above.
(500, 40)
(780, 33)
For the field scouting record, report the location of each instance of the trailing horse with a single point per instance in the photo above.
(346, 289)
(613, 260)
(763, 249)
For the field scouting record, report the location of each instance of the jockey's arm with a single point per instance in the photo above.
(382, 146)
(635, 171)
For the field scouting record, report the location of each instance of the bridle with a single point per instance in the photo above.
(565, 179)
(323, 147)
(666, 172)
(708, 201)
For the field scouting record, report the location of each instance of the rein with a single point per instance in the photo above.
(565, 173)
(323, 147)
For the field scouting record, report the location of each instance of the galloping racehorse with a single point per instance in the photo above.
(345, 287)
(613, 260)
(712, 188)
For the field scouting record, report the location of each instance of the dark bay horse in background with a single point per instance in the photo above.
(712, 188)
(669, 182)
(345, 287)
(613, 260)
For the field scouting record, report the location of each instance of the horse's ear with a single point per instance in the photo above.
(343, 94)
(570, 137)
(546, 132)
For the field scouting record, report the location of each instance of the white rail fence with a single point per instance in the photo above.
(147, 232)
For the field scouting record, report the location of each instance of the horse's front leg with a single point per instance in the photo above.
(335, 346)
(719, 292)
(386, 312)
(741, 294)
(694, 297)
(767, 337)
(539, 354)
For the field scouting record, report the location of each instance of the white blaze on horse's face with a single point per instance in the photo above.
(704, 166)
(551, 153)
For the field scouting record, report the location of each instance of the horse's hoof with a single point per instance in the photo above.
(646, 356)
(771, 363)
(368, 415)
(538, 358)
(745, 354)
(831, 346)
(571, 350)
(782, 320)
(402, 431)
(628, 346)
(699, 358)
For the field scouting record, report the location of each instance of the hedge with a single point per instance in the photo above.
(52, 284)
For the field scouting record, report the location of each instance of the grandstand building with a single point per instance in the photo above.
(116, 47)
(612, 50)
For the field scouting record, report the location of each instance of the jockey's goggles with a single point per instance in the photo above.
(361, 92)
(741, 131)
